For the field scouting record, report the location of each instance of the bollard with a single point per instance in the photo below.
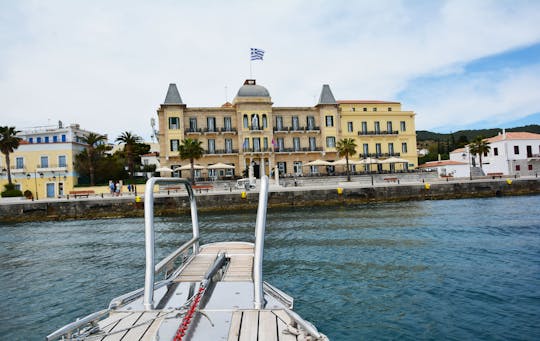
(509, 181)
(243, 195)
(427, 186)
(138, 199)
(339, 190)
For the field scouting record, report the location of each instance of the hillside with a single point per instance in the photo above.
(424, 135)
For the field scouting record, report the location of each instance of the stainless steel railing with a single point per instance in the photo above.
(151, 268)
(258, 301)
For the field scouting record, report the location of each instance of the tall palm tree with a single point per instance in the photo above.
(94, 142)
(346, 147)
(479, 146)
(130, 140)
(191, 149)
(9, 141)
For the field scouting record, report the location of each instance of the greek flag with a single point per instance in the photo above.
(257, 54)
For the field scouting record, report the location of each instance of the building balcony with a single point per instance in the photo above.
(377, 132)
(257, 150)
(52, 168)
(228, 130)
(256, 129)
(378, 155)
(193, 131)
(221, 151)
(298, 150)
(210, 131)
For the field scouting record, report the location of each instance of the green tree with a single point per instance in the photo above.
(9, 141)
(130, 140)
(479, 146)
(94, 148)
(191, 149)
(346, 147)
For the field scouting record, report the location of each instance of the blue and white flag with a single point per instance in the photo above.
(257, 54)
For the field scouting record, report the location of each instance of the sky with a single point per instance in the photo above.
(106, 65)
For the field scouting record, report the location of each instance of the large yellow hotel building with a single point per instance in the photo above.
(251, 131)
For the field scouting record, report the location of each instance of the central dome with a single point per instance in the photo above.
(251, 89)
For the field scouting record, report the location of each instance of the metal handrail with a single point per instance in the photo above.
(258, 297)
(170, 258)
(150, 271)
(77, 324)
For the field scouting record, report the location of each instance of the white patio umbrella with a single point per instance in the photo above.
(343, 162)
(188, 167)
(319, 162)
(163, 169)
(394, 160)
(220, 165)
(368, 161)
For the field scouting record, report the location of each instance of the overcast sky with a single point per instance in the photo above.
(107, 64)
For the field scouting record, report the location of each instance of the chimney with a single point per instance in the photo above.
(504, 134)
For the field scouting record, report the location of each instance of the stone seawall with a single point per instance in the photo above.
(93, 208)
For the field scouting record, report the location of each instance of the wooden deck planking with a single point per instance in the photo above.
(111, 321)
(138, 332)
(250, 325)
(120, 327)
(151, 332)
(234, 330)
(283, 319)
(267, 326)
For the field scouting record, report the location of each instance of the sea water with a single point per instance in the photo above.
(448, 269)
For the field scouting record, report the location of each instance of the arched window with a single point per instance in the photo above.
(265, 121)
(246, 121)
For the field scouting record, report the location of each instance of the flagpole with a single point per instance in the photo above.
(250, 72)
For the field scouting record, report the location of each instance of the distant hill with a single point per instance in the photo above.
(424, 135)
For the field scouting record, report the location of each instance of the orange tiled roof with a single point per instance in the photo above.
(459, 150)
(517, 135)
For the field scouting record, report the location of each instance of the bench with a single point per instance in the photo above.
(201, 188)
(495, 175)
(391, 180)
(81, 193)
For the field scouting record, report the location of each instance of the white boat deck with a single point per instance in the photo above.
(228, 308)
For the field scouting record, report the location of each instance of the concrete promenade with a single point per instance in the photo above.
(291, 193)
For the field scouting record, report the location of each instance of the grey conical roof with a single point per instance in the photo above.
(173, 96)
(326, 96)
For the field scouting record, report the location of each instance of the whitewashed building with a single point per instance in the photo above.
(447, 168)
(513, 153)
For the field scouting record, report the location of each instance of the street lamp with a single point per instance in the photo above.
(35, 182)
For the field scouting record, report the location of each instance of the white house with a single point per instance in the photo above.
(513, 153)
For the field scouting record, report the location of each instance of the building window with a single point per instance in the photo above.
(63, 138)
(19, 162)
(374, 109)
(44, 162)
(364, 127)
(296, 143)
(211, 123)
(31, 140)
(389, 127)
(228, 145)
(192, 124)
(402, 126)
(530, 167)
(378, 149)
(353, 109)
(389, 109)
(257, 144)
(211, 146)
(265, 121)
(311, 123)
(349, 127)
(38, 140)
(227, 123)
(312, 143)
(377, 127)
(246, 144)
(404, 147)
(518, 167)
(62, 161)
(246, 122)
(329, 121)
(55, 138)
(46, 139)
(174, 145)
(295, 124)
(365, 149)
(174, 123)
(391, 148)
(265, 143)
(516, 150)
(330, 141)
(281, 143)
(364, 109)
(279, 123)
(255, 122)
(495, 151)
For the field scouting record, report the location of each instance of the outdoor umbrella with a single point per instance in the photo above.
(394, 160)
(188, 167)
(319, 162)
(368, 161)
(163, 169)
(220, 165)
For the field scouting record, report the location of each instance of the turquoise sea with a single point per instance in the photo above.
(451, 269)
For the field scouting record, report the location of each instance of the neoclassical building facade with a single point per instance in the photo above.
(251, 131)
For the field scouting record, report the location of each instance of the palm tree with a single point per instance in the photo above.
(8, 143)
(129, 139)
(346, 147)
(191, 149)
(94, 142)
(479, 146)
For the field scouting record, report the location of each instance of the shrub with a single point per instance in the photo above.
(11, 191)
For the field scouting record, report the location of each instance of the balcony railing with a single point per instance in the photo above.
(377, 132)
(221, 151)
(298, 150)
(228, 130)
(193, 131)
(378, 155)
(257, 150)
